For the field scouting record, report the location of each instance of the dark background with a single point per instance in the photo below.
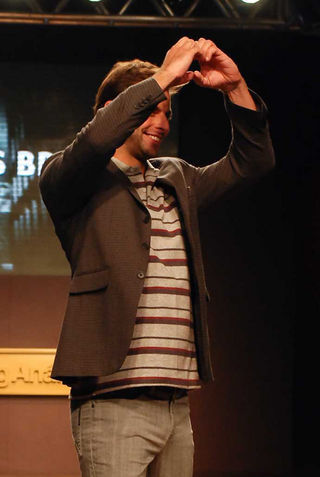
(261, 251)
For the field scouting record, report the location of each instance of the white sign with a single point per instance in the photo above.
(27, 163)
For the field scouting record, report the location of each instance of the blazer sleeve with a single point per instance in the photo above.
(69, 177)
(250, 154)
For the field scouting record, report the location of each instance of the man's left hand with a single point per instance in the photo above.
(218, 71)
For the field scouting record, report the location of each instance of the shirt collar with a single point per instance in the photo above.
(133, 170)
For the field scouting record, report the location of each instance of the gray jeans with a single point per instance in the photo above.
(139, 437)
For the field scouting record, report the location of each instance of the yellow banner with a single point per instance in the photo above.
(26, 371)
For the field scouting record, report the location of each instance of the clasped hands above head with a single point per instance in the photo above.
(216, 69)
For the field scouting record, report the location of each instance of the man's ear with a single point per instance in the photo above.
(107, 102)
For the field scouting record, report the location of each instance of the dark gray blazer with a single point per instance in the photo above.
(104, 228)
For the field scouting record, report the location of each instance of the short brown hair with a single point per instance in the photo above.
(122, 75)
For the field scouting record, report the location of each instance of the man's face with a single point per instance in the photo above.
(145, 141)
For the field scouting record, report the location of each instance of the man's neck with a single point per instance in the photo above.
(123, 156)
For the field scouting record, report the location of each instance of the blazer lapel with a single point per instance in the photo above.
(124, 180)
(168, 175)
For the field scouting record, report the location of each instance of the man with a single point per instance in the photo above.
(134, 338)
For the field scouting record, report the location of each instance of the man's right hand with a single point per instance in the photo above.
(174, 70)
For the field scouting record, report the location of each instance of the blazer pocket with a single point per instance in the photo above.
(89, 282)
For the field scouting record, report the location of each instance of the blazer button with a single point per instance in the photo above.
(140, 275)
(145, 245)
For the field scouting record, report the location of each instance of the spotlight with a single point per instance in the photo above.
(250, 1)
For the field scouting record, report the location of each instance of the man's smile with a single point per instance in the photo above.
(154, 136)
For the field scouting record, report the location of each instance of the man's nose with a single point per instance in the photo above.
(162, 122)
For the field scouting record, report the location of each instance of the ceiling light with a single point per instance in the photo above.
(250, 1)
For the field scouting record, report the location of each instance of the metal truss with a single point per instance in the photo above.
(266, 14)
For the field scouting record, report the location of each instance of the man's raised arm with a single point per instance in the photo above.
(250, 153)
